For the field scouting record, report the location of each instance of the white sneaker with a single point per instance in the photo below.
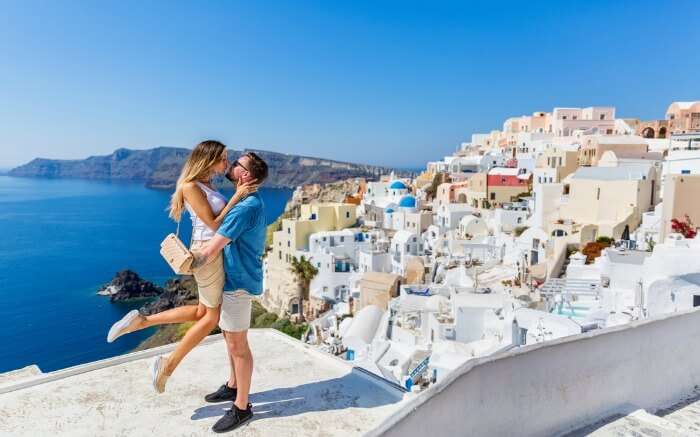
(123, 326)
(158, 376)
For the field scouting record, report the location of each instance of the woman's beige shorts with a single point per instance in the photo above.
(210, 278)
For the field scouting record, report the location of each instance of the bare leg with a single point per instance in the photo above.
(186, 313)
(192, 338)
(237, 343)
(232, 374)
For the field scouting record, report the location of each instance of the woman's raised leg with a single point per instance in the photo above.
(192, 338)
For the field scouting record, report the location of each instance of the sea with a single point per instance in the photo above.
(62, 240)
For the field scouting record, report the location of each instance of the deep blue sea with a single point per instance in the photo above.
(63, 239)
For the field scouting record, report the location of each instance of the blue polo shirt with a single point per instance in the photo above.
(245, 226)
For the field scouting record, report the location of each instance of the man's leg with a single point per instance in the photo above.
(239, 352)
(232, 373)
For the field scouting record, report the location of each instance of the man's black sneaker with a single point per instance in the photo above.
(223, 394)
(233, 418)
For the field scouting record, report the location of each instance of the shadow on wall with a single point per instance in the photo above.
(350, 391)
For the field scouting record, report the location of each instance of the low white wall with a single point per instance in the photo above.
(555, 387)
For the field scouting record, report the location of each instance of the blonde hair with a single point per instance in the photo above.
(198, 166)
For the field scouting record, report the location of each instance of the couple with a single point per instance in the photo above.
(228, 241)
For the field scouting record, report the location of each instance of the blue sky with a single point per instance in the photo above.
(392, 83)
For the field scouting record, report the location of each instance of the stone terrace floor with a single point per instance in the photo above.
(296, 391)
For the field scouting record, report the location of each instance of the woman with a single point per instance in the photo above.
(207, 208)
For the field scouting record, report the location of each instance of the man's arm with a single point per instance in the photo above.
(209, 251)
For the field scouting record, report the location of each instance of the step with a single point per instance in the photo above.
(637, 423)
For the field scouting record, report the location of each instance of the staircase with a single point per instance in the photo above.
(682, 419)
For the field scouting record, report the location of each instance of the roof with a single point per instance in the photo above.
(631, 154)
(407, 202)
(296, 390)
(683, 105)
(503, 171)
(404, 236)
(627, 256)
(398, 185)
(620, 139)
(625, 172)
(380, 278)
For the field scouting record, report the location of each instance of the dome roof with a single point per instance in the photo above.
(389, 210)
(398, 185)
(407, 202)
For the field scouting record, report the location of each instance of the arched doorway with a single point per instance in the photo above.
(648, 132)
(662, 132)
(462, 198)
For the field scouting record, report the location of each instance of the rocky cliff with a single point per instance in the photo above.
(160, 167)
(128, 285)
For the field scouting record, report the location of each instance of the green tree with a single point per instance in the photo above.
(304, 272)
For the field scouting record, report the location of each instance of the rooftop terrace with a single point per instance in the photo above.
(619, 379)
(296, 391)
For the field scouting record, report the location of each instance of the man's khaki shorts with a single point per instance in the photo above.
(235, 311)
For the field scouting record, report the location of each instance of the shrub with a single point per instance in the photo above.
(593, 250)
(684, 227)
(605, 240)
(265, 320)
(518, 231)
(289, 328)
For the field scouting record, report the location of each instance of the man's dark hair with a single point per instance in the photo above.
(256, 166)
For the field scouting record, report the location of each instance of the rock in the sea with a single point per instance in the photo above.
(177, 292)
(129, 285)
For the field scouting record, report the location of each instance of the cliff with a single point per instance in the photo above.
(160, 167)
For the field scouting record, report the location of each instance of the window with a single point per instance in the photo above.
(342, 239)
(493, 196)
(597, 197)
(289, 244)
(602, 116)
(289, 230)
(563, 117)
(574, 117)
(279, 254)
(347, 214)
(685, 171)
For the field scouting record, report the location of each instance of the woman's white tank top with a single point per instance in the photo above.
(217, 202)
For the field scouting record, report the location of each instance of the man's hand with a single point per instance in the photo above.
(199, 259)
(245, 189)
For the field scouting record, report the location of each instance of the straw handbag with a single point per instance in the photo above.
(176, 254)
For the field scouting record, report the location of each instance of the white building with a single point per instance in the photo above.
(449, 214)
(404, 244)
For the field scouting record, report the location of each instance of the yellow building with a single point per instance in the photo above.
(312, 218)
(605, 201)
(555, 164)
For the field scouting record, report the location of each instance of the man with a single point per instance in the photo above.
(242, 238)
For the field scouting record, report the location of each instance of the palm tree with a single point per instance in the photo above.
(304, 272)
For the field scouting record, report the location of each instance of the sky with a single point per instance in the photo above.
(387, 83)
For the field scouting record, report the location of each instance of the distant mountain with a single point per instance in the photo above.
(160, 167)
